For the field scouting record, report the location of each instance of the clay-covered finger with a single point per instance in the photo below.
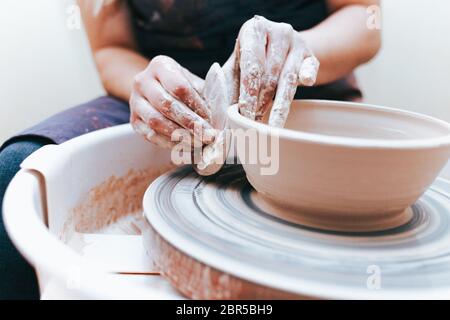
(278, 44)
(195, 80)
(287, 86)
(152, 117)
(309, 70)
(143, 129)
(252, 43)
(231, 72)
(172, 77)
(176, 110)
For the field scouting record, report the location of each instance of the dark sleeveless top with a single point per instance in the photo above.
(198, 33)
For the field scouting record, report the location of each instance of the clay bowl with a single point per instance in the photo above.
(342, 166)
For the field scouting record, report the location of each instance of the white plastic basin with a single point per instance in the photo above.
(73, 258)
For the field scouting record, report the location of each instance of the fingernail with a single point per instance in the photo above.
(308, 79)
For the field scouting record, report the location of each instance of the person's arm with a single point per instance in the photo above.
(113, 47)
(343, 41)
(164, 97)
(271, 59)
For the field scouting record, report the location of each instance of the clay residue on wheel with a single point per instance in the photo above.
(197, 280)
(111, 200)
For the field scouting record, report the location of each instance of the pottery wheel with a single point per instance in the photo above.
(216, 223)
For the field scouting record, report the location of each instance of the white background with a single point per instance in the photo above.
(45, 67)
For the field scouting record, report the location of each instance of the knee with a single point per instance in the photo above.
(11, 157)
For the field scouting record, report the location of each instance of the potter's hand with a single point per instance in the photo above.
(273, 60)
(165, 97)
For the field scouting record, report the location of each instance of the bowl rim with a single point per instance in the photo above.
(351, 142)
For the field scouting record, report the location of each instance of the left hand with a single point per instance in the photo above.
(270, 60)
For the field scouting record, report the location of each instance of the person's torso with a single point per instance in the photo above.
(197, 33)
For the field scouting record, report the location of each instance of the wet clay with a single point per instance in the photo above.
(218, 98)
(196, 280)
(348, 166)
(334, 221)
(114, 199)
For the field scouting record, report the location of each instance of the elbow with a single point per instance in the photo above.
(372, 45)
(100, 58)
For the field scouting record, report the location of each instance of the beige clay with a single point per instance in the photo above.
(347, 166)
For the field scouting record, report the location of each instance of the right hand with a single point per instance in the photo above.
(269, 61)
(166, 97)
